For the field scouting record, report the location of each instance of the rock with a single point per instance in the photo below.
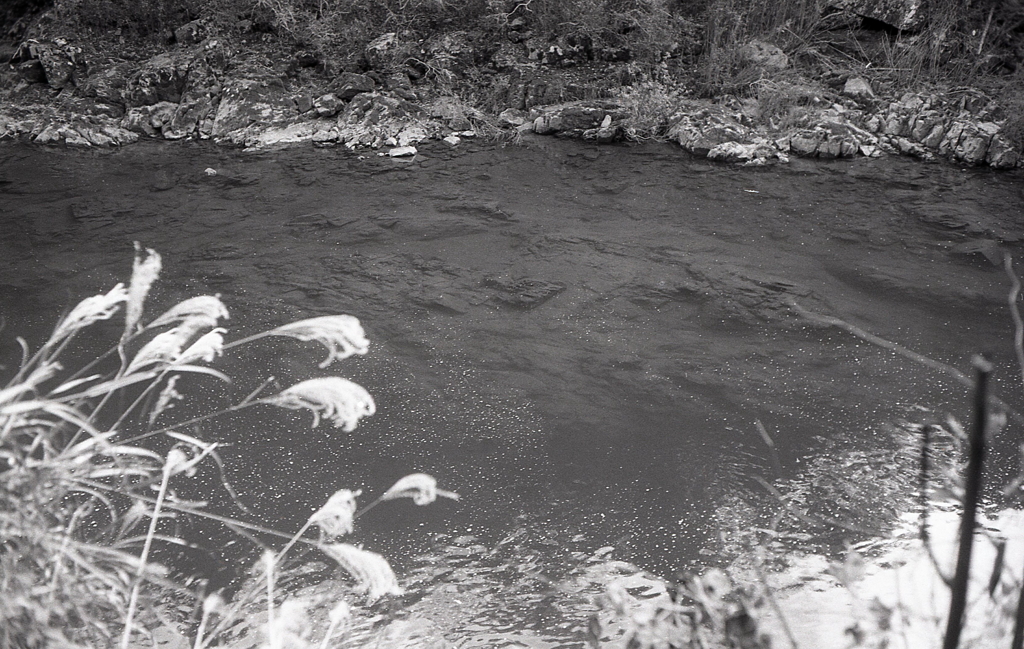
(149, 120)
(1001, 154)
(924, 125)
(756, 152)
(574, 118)
(452, 140)
(380, 51)
(247, 102)
(603, 134)
(858, 88)
(908, 147)
(901, 14)
(31, 71)
(764, 55)
(402, 151)
(62, 64)
(972, 146)
(85, 132)
(259, 135)
(371, 107)
(190, 33)
(511, 117)
(160, 79)
(327, 105)
(349, 84)
(411, 135)
(103, 133)
(805, 143)
(189, 119)
(951, 138)
(303, 102)
(107, 82)
(699, 128)
(453, 53)
(202, 80)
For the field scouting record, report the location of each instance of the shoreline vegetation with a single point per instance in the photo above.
(747, 81)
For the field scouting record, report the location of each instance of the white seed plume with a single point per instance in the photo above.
(337, 399)
(168, 397)
(40, 374)
(144, 273)
(166, 346)
(340, 614)
(88, 311)
(335, 518)
(422, 488)
(342, 335)
(209, 306)
(371, 570)
(206, 348)
(177, 461)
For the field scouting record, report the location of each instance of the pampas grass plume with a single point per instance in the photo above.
(371, 570)
(144, 273)
(336, 398)
(335, 518)
(88, 311)
(342, 335)
(422, 488)
(208, 306)
(209, 346)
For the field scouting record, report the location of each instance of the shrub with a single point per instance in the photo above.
(85, 493)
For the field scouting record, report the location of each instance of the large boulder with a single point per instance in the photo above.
(764, 55)
(161, 78)
(1001, 154)
(450, 53)
(901, 14)
(830, 139)
(249, 102)
(699, 128)
(149, 120)
(56, 62)
(387, 52)
(107, 81)
(375, 119)
(349, 84)
(575, 117)
(193, 117)
(85, 132)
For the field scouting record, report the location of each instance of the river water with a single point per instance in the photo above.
(578, 340)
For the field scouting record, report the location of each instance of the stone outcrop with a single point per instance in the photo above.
(901, 14)
(764, 55)
(963, 130)
(575, 119)
(247, 103)
(714, 132)
(191, 92)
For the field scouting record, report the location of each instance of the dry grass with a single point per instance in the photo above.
(88, 492)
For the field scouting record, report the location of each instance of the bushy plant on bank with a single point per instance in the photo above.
(91, 460)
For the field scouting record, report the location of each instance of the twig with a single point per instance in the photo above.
(925, 503)
(984, 32)
(972, 494)
(1018, 622)
(770, 443)
(902, 351)
(770, 596)
(822, 520)
(1018, 322)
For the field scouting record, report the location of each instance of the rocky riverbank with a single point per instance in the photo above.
(213, 83)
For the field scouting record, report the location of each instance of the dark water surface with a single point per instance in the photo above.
(578, 340)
